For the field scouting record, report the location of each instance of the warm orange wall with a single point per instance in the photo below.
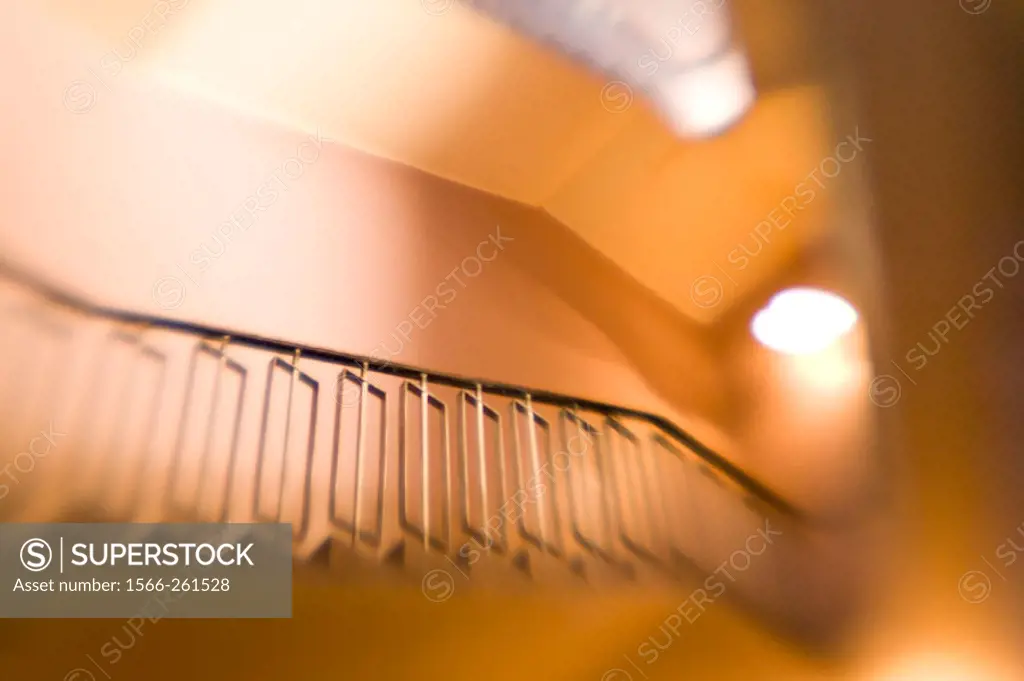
(114, 199)
(939, 84)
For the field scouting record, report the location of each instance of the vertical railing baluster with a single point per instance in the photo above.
(535, 457)
(582, 474)
(481, 454)
(170, 500)
(287, 433)
(229, 483)
(382, 467)
(360, 438)
(425, 461)
(446, 462)
(211, 420)
(651, 489)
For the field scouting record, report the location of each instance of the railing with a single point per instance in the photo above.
(166, 419)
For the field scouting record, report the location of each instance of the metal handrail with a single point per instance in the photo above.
(746, 483)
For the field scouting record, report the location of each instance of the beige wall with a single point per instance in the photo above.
(114, 200)
(435, 85)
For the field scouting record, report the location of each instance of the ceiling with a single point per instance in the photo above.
(432, 84)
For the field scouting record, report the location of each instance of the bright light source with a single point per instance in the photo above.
(802, 321)
(705, 100)
(946, 667)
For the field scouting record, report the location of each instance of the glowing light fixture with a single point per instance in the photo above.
(684, 54)
(800, 321)
(707, 99)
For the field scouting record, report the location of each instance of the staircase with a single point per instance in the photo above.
(381, 469)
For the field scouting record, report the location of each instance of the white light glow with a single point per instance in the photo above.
(946, 667)
(706, 100)
(802, 321)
